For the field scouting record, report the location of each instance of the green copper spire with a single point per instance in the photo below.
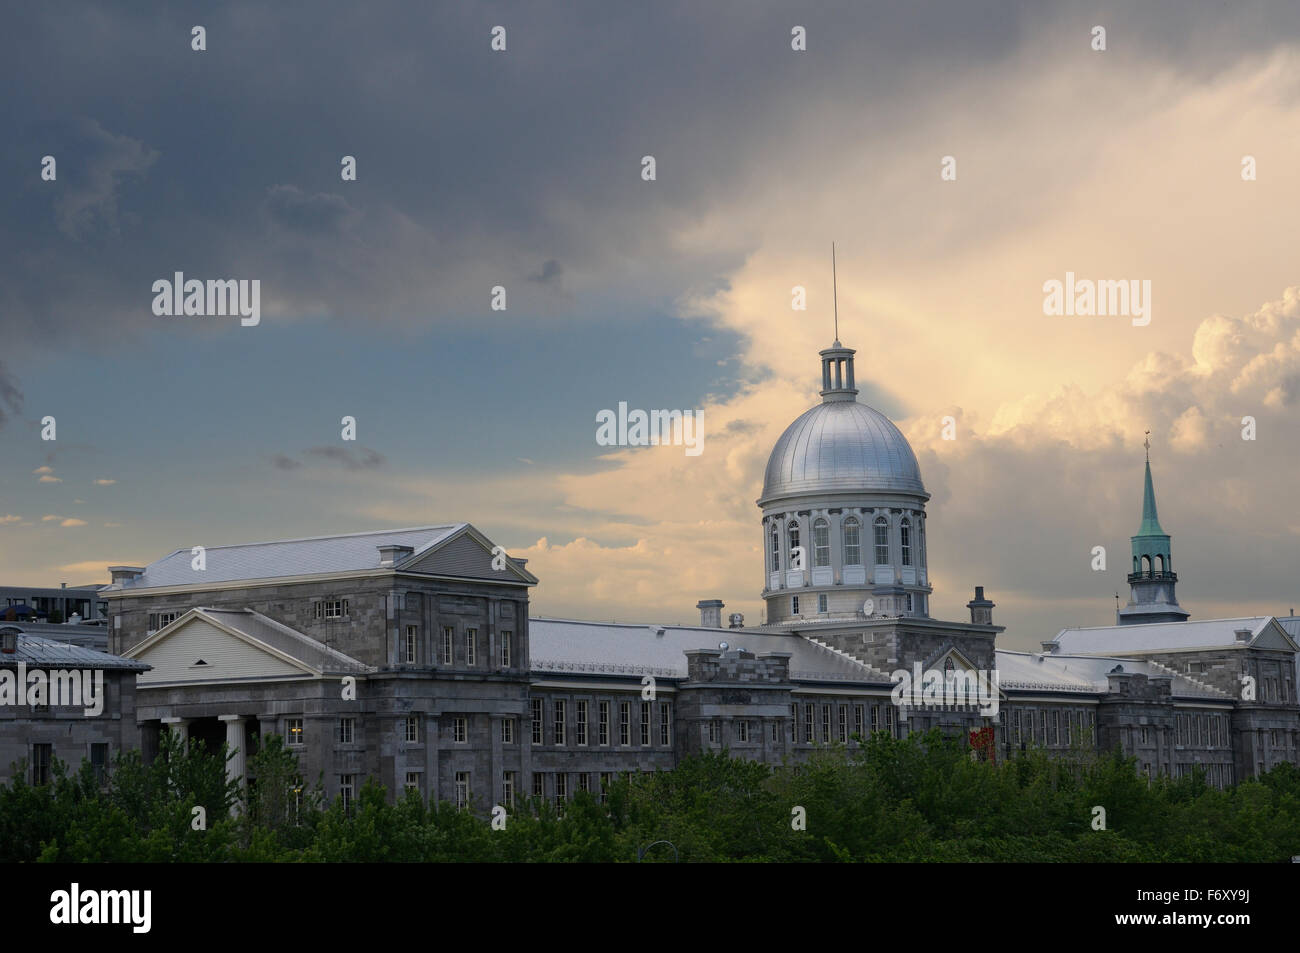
(1150, 521)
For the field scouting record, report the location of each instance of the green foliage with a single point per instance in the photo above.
(919, 799)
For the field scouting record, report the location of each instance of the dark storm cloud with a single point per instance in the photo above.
(469, 162)
(11, 398)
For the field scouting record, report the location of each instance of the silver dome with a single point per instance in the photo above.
(841, 445)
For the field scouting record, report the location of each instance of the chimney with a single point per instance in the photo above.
(710, 613)
(981, 609)
(125, 574)
(390, 554)
(63, 585)
(1243, 635)
(736, 620)
(9, 639)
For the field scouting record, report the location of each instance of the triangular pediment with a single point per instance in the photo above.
(199, 647)
(467, 554)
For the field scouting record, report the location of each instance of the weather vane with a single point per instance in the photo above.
(1147, 443)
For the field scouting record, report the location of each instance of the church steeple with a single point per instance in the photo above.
(1153, 579)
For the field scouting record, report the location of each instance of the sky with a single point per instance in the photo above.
(522, 168)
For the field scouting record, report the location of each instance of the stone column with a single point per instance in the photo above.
(179, 725)
(236, 766)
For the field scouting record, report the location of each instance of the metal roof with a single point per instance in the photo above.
(841, 446)
(1033, 671)
(570, 645)
(290, 557)
(1158, 636)
(37, 652)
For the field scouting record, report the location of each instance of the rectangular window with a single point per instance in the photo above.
(742, 731)
(471, 646)
(1015, 720)
(858, 719)
(42, 755)
(905, 542)
(882, 542)
(645, 724)
(1146, 735)
(347, 790)
(561, 788)
(582, 722)
(889, 719)
(508, 788)
(507, 731)
(852, 544)
(821, 544)
(459, 729)
(1042, 728)
(842, 724)
(606, 781)
(666, 724)
(412, 631)
(293, 732)
(1056, 727)
(875, 718)
(411, 729)
(715, 732)
(584, 782)
(1068, 719)
(413, 781)
(807, 724)
(99, 760)
(558, 722)
(448, 634)
(537, 721)
(346, 730)
(821, 602)
(603, 735)
(625, 723)
(539, 784)
(506, 638)
(335, 608)
(794, 605)
(794, 723)
(462, 789)
(826, 724)
(773, 735)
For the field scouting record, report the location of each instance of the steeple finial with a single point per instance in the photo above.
(1147, 443)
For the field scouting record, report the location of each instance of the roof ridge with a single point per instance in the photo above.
(317, 539)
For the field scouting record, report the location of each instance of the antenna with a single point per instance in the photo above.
(835, 295)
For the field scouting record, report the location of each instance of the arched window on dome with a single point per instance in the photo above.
(882, 541)
(852, 542)
(776, 549)
(794, 537)
(821, 543)
(905, 538)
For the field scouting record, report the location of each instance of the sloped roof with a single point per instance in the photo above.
(571, 645)
(37, 652)
(1032, 671)
(304, 648)
(1158, 636)
(289, 557)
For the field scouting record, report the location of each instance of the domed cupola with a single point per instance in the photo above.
(843, 511)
